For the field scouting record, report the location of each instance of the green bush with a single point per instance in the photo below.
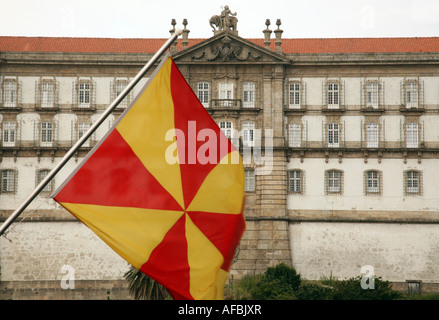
(277, 283)
(351, 290)
(314, 291)
(284, 283)
(242, 288)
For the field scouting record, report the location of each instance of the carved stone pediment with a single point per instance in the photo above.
(226, 50)
(228, 47)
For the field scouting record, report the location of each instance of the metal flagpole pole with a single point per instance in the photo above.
(79, 143)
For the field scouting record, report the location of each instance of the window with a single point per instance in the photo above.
(227, 128)
(8, 181)
(295, 181)
(294, 95)
(249, 95)
(41, 175)
(82, 129)
(372, 182)
(333, 181)
(47, 94)
(46, 134)
(411, 94)
(118, 86)
(412, 135)
(333, 135)
(333, 96)
(372, 136)
(412, 182)
(10, 95)
(84, 95)
(249, 180)
(372, 95)
(294, 135)
(9, 134)
(203, 93)
(248, 129)
(226, 94)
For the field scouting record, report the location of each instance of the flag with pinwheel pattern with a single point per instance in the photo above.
(164, 189)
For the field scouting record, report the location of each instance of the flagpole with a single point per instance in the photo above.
(90, 131)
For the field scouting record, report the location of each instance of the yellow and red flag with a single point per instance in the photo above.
(164, 189)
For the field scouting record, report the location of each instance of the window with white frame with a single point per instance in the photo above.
(412, 135)
(372, 95)
(249, 95)
(248, 131)
(372, 182)
(47, 94)
(333, 95)
(249, 180)
(372, 135)
(7, 181)
(333, 135)
(333, 181)
(294, 95)
(412, 182)
(295, 181)
(294, 135)
(84, 94)
(9, 134)
(226, 94)
(46, 136)
(41, 175)
(10, 94)
(203, 93)
(411, 94)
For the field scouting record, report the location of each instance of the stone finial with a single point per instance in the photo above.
(173, 48)
(186, 31)
(267, 33)
(278, 34)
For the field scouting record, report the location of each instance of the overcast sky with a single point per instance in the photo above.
(152, 19)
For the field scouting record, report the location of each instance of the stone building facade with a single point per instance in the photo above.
(346, 176)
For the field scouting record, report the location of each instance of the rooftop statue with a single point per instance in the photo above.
(226, 21)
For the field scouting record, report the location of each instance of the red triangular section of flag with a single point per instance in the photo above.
(106, 179)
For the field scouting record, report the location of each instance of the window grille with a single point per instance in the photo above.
(41, 175)
(82, 129)
(413, 182)
(372, 135)
(294, 135)
(46, 135)
(412, 135)
(333, 182)
(9, 134)
(295, 181)
(372, 95)
(411, 95)
(10, 94)
(249, 180)
(8, 181)
(372, 182)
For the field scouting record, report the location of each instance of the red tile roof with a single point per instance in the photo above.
(151, 45)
